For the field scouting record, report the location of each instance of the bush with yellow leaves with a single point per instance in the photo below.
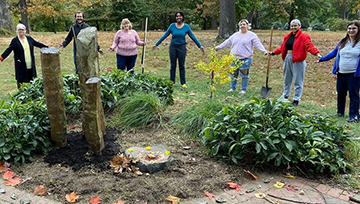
(218, 69)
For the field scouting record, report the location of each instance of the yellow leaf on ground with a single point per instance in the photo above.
(173, 199)
(72, 197)
(279, 184)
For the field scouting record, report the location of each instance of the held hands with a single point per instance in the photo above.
(110, 49)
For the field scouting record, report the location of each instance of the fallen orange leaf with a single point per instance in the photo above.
(2, 169)
(72, 197)
(173, 199)
(40, 190)
(13, 181)
(208, 194)
(119, 202)
(95, 200)
(235, 186)
(253, 175)
(8, 175)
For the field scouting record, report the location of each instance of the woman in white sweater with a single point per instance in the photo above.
(242, 44)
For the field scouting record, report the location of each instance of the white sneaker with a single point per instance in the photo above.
(242, 92)
(231, 90)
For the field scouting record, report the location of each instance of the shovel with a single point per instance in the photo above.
(143, 50)
(265, 91)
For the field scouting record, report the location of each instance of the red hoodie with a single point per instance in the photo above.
(302, 45)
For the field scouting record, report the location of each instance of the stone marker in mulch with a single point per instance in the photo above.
(152, 159)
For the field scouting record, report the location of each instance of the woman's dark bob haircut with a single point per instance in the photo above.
(181, 13)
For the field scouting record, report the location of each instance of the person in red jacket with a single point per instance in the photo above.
(293, 51)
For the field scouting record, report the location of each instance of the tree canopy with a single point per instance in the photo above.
(52, 15)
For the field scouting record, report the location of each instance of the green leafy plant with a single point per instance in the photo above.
(272, 131)
(25, 125)
(194, 119)
(24, 128)
(139, 110)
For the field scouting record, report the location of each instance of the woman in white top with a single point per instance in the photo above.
(242, 44)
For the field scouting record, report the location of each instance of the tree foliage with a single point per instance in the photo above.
(45, 15)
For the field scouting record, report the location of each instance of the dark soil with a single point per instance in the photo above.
(75, 168)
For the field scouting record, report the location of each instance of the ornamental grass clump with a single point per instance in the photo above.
(138, 111)
(273, 132)
(194, 119)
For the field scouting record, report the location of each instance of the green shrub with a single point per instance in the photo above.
(337, 24)
(194, 119)
(24, 124)
(139, 110)
(24, 128)
(265, 131)
(113, 86)
(124, 83)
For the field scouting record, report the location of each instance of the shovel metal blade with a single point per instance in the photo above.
(265, 92)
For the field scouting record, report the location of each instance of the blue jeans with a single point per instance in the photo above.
(246, 63)
(126, 61)
(177, 53)
(345, 83)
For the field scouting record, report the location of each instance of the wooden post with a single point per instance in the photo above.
(54, 95)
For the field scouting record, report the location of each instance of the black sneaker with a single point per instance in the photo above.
(352, 120)
(340, 114)
(295, 103)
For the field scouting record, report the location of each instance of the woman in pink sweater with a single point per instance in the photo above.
(125, 42)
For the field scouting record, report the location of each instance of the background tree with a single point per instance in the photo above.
(206, 10)
(227, 19)
(5, 16)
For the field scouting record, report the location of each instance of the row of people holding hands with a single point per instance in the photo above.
(293, 50)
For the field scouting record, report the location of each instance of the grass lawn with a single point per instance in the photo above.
(319, 87)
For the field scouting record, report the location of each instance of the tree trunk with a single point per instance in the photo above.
(227, 19)
(5, 16)
(24, 15)
(292, 14)
(250, 16)
(54, 25)
(214, 24)
(204, 26)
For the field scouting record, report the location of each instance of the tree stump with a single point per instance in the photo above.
(54, 95)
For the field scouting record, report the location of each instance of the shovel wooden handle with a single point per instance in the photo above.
(268, 64)
(143, 50)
